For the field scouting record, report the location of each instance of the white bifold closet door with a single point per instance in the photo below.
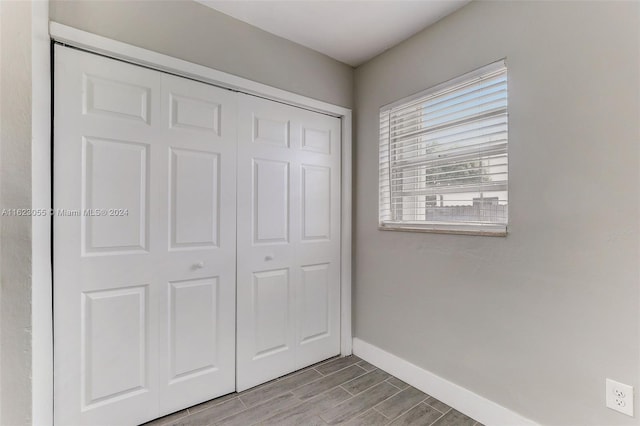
(288, 239)
(149, 169)
(144, 241)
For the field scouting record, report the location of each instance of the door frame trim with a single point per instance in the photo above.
(43, 400)
(161, 62)
(41, 192)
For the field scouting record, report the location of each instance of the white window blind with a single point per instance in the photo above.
(443, 156)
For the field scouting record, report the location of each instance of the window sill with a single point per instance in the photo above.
(447, 228)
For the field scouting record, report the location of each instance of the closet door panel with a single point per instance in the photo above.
(288, 239)
(198, 246)
(318, 251)
(144, 241)
(266, 226)
(105, 292)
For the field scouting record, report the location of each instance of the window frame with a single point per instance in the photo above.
(461, 228)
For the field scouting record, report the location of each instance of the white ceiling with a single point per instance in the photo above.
(351, 31)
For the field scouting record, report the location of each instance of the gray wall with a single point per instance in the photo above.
(15, 232)
(535, 321)
(196, 33)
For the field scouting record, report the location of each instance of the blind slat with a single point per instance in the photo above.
(441, 178)
(436, 150)
(458, 160)
(490, 102)
(459, 83)
(455, 189)
(464, 136)
(455, 123)
(415, 111)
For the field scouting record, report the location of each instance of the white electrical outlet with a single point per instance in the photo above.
(619, 397)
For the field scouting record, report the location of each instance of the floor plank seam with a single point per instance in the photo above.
(402, 413)
(392, 384)
(437, 420)
(387, 399)
(350, 399)
(356, 396)
(387, 417)
(342, 387)
(439, 411)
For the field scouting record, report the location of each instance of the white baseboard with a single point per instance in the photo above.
(463, 400)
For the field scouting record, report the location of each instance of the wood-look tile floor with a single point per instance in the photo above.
(339, 391)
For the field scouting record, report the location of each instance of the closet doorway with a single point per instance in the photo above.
(196, 240)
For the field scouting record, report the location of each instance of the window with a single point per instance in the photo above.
(443, 157)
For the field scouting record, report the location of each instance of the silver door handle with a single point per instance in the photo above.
(198, 265)
(268, 257)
